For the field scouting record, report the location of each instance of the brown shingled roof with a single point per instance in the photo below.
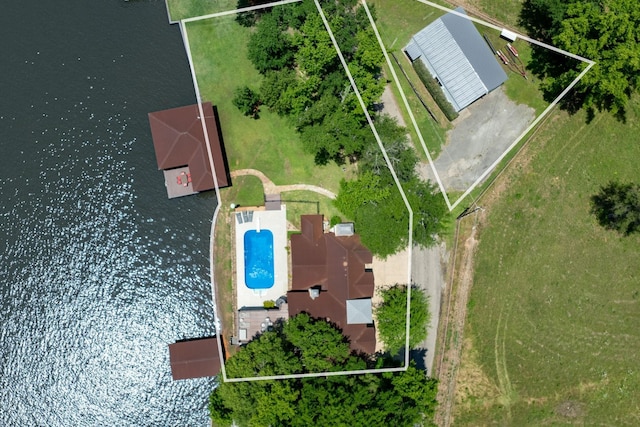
(179, 140)
(335, 265)
(194, 358)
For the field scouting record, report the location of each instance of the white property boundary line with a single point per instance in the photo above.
(406, 104)
(519, 138)
(185, 38)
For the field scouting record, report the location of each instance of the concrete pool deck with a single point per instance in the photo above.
(276, 222)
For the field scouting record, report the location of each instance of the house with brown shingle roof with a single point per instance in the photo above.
(332, 280)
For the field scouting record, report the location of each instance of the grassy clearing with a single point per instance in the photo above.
(182, 9)
(399, 20)
(269, 144)
(224, 264)
(248, 191)
(307, 202)
(517, 88)
(554, 307)
(503, 10)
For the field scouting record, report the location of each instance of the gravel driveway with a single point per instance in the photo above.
(480, 135)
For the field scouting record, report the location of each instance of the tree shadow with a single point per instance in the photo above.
(542, 20)
(617, 207)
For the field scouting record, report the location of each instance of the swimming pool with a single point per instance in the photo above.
(258, 259)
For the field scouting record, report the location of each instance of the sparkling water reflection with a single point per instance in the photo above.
(98, 272)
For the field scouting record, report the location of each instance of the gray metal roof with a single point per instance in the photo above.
(455, 53)
(475, 49)
(413, 50)
(359, 311)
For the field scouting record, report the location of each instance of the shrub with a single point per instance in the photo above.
(269, 304)
(247, 101)
(335, 220)
(435, 90)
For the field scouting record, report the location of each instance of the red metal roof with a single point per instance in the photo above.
(194, 358)
(336, 265)
(179, 140)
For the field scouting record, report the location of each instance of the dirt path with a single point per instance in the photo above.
(271, 188)
(390, 105)
(454, 314)
(471, 6)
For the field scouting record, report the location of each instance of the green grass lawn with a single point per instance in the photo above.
(555, 306)
(399, 20)
(307, 202)
(507, 11)
(182, 9)
(248, 191)
(269, 144)
(518, 89)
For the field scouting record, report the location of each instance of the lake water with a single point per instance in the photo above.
(98, 270)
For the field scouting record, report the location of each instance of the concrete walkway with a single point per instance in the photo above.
(271, 188)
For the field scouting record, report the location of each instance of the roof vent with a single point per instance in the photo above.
(314, 293)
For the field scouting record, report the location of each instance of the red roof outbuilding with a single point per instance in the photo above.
(178, 139)
(194, 358)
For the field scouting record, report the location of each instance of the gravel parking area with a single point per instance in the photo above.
(480, 135)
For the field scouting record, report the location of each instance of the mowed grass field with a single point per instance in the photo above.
(554, 314)
(269, 144)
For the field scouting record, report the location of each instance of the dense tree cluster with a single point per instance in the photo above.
(306, 345)
(304, 79)
(606, 31)
(374, 203)
(392, 317)
(617, 207)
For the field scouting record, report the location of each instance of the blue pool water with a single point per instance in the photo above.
(258, 259)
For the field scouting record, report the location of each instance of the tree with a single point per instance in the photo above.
(429, 211)
(617, 207)
(606, 32)
(270, 48)
(367, 189)
(391, 317)
(384, 226)
(543, 18)
(381, 216)
(402, 156)
(394, 399)
(316, 54)
(247, 101)
(320, 346)
(278, 89)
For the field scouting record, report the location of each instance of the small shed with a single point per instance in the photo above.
(194, 358)
(455, 53)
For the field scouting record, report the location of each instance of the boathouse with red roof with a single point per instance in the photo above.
(181, 149)
(194, 358)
